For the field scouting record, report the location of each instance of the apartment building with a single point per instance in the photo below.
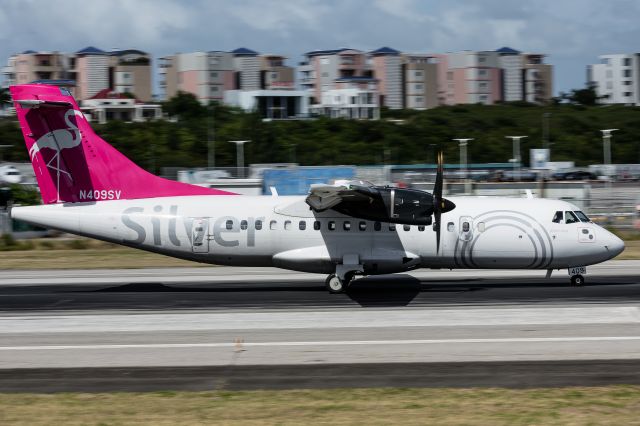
(209, 75)
(86, 72)
(616, 78)
(473, 77)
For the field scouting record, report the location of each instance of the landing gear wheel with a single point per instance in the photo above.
(335, 284)
(577, 280)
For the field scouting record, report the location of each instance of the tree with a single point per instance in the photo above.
(184, 106)
(587, 96)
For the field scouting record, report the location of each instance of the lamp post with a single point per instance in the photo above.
(545, 131)
(240, 156)
(211, 144)
(606, 148)
(516, 155)
(462, 143)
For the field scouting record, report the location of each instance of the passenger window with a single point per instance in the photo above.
(302, 225)
(557, 218)
(481, 227)
(377, 226)
(451, 227)
(331, 225)
(273, 225)
(569, 217)
(392, 227)
(229, 224)
(316, 225)
(583, 217)
(287, 225)
(362, 226)
(258, 225)
(421, 228)
(346, 226)
(244, 225)
(465, 226)
(406, 227)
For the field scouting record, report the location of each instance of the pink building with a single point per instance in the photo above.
(474, 77)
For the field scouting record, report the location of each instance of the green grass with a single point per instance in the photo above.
(611, 405)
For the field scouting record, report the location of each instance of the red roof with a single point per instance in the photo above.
(111, 94)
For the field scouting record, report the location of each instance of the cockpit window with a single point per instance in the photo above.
(557, 218)
(583, 217)
(570, 218)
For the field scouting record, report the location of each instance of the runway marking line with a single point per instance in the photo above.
(323, 343)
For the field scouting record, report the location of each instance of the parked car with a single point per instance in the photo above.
(575, 175)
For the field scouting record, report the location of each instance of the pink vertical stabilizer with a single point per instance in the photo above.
(72, 163)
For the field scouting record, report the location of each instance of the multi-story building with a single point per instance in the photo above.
(208, 75)
(85, 72)
(91, 71)
(130, 72)
(473, 77)
(616, 78)
(420, 81)
(29, 66)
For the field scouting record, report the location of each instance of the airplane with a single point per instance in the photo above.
(89, 188)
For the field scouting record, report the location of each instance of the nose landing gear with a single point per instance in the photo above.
(577, 280)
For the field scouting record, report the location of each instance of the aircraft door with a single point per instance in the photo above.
(466, 228)
(200, 235)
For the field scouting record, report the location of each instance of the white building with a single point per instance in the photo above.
(617, 78)
(107, 105)
(352, 102)
(272, 104)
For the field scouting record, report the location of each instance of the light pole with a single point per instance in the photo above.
(211, 144)
(606, 148)
(462, 143)
(545, 131)
(240, 156)
(516, 155)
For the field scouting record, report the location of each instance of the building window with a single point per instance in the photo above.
(274, 75)
(418, 74)
(419, 100)
(626, 73)
(418, 86)
(482, 73)
(482, 85)
(626, 83)
(214, 88)
(481, 59)
(214, 75)
(626, 94)
(626, 62)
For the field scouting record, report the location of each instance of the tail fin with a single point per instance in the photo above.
(72, 163)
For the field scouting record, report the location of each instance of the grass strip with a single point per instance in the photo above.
(611, 405)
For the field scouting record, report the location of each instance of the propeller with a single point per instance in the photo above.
(440, 205)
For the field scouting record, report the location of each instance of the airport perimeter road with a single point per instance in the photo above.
(249, 328)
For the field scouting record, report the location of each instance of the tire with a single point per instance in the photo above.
(577, 280)
(334, 284)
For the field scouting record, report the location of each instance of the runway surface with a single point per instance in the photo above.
(204, 328)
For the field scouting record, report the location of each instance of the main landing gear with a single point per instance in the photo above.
(337, 285)
(577, 280)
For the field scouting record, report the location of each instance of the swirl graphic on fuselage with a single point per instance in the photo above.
(540, 248)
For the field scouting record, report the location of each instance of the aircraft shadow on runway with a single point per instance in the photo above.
(393, 291)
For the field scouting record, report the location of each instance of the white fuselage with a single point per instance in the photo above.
(283, 232)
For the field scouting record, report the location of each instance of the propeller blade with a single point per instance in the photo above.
(438, 204)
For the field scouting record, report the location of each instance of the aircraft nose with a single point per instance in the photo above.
(614, 245)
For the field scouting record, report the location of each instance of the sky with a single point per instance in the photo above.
(571, 32)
